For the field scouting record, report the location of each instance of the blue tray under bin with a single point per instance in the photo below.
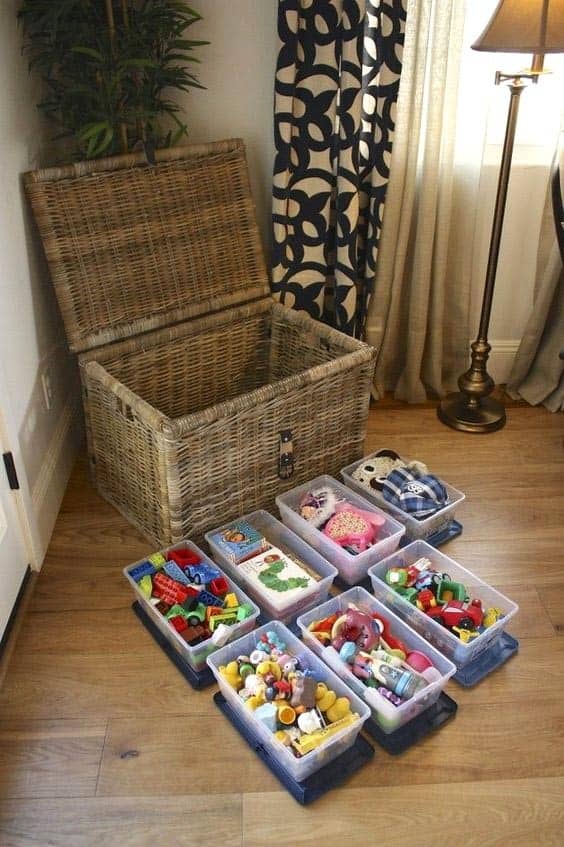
(436, 539)
(197, 679)
(329, 776)
(443, 710)
(451, 530)
(502, 650)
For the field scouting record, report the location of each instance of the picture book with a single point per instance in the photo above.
(239, 541)
(276, 576)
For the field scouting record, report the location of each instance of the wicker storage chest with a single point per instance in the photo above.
(203, 398)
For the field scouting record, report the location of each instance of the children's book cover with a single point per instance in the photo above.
(239, 541)
(276, 576)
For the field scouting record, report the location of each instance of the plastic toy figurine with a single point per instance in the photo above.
(317, 506)
(357, 627)
(465, 635)
(492, 615)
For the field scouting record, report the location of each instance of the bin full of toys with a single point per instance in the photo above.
(405, 488)
(299, 710)
(282, 573)
(379, 656)
(454, 610)
(191, 601)
(346, 529)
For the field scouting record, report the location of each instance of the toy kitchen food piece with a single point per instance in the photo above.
(442, 599)
(348, 526)
(287, 697)
(366, 644)
(191, 595)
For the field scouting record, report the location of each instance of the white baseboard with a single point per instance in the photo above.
(501, 359)
(51, 482)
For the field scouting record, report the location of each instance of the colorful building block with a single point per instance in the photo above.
(219, 586)
(230, 600)
(183, 557)
(157, 559)
(143, 569)
(172, 570)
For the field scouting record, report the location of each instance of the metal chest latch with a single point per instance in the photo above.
(286, 454)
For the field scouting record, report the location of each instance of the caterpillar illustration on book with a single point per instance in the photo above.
(271, 579)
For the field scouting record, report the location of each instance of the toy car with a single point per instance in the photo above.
(196, 613)
(201, 574)
(464, 614)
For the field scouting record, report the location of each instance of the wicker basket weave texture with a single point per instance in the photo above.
(184, 417)
(131, 248)
(221, 453)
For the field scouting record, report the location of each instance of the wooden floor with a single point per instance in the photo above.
(103, 743)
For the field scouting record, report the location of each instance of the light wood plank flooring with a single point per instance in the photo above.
(103, 743)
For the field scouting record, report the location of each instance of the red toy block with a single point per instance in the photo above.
(168, 589)
(179, 623)
(183, 557)
(193, 634)
(219, 586)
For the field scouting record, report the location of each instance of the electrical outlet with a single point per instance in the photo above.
(47, 386)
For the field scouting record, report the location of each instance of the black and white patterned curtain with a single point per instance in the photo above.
(337, 82)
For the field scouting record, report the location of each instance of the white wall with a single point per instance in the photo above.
(31, 334)
(238, 71)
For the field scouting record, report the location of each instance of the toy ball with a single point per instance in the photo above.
(418, 661)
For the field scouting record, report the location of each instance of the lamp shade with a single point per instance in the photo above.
(524, 26)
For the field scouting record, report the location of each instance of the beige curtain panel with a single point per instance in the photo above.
(418, 316)
(537, 375)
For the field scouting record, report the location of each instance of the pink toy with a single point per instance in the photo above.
(358, 627)
(418, 661)
(352, 527)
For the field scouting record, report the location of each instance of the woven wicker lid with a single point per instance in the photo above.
(132, 247)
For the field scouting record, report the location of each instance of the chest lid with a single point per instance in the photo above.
(132, 246)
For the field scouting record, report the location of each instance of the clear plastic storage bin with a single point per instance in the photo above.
(414, 528)
(352, 569)
(436, 634)
(279, 536)
(300, 769)
(387, 716)
(197, 654)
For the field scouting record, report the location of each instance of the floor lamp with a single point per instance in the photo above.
(516, 26)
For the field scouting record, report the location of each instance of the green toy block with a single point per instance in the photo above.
(458, 590)
(157, 559)
(243, 612)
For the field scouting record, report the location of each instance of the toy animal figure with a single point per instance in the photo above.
(355, 626)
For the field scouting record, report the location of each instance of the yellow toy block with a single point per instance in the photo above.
(230, 600)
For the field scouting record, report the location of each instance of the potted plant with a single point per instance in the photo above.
(110, 68)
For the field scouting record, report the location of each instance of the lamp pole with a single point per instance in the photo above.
(472, 410)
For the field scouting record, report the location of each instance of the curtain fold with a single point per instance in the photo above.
(336, 85)
(418, 316)
(537, 375)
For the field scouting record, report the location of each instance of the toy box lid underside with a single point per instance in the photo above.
(133, 246)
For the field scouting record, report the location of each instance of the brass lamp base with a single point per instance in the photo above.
(487, 416)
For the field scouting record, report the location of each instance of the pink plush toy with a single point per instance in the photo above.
(352, 527)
